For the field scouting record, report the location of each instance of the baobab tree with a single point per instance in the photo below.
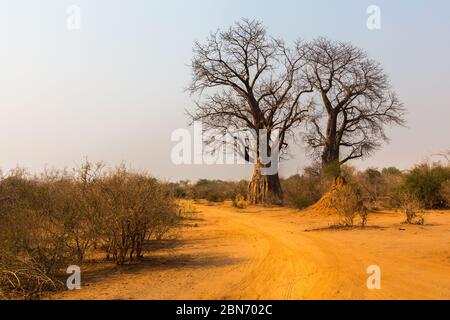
(356, 102)
(246, 80)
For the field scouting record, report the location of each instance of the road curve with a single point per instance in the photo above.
(260, 253)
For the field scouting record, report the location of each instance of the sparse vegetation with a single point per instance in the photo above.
(53, 220)
(380, 188)
(134, 208)
(211, 190)
(411, 206)
(259, 86)
(348, 203)
(385, 189)
(425, 181)
(186, 208)
(301, 191)
(239, 202)
(445, 191)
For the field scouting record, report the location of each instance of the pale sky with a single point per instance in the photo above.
(114, 90)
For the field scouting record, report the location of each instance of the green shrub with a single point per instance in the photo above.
(302, 191)
(424, 182)
(445, 192)
(211, 190)
(213, 196)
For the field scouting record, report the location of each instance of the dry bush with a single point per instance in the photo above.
(240, 202)
(134, 208)
(380, 188)
(215, 197)
(445, 192)
(23, 278)
(47, 222)
(392, 178)
(186, 208)
(412, 208)
(301, 191)
(182, 189)
(372, 183)
(32, 244)
(298, 193)
(211, 190)
(348, 204)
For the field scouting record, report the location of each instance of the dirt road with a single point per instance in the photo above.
(260, 253)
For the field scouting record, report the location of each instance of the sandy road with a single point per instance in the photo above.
(266, 254)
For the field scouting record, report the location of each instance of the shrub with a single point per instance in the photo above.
(186, 208)
(424, 183)
(32, 244)
(372, 183)
(213, 196)
(182, 189)
(23, 278)
(392, 181)
(393, 171)
(50, 221)
(445, 192)
(217, 190)
(411, 206)
(239, 202)
(348, 203)
(134, 208)
(380, 188)
(302, 191)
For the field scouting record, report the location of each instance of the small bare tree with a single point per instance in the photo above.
(444, 154)
(412, 206)
(348, 203)
(248, 81)
(356, 101)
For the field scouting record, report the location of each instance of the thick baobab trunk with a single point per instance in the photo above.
(330, 154)
(331, 165)
(264, 189)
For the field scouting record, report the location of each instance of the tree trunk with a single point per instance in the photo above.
(264, 189)
(330, 154)
(331, 165)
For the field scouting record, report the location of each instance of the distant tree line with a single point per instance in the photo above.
(427, 184)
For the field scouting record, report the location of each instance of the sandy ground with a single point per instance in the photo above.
(259, 253)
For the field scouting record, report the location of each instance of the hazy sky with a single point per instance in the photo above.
(114, 90)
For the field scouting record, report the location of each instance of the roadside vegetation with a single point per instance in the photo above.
(427, 184)
(59, 218)
(424, 187)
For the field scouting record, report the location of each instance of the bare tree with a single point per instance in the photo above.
(444, 154)
(356, 102)
(248, 81)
